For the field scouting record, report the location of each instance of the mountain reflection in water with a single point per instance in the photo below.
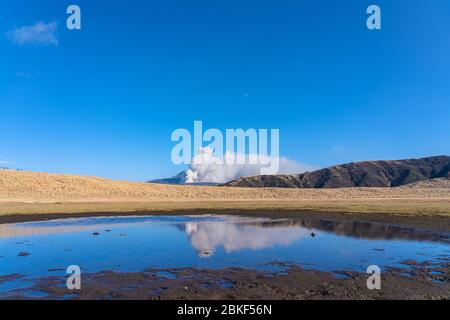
(236, 235)
(135, 243)
(232, 232)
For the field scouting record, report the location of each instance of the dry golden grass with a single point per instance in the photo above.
(31, 192)
(25, 186)
(429, 207)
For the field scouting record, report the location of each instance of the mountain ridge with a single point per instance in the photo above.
(379, 173)
(180, 179)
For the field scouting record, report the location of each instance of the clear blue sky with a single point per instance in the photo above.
(105, 100)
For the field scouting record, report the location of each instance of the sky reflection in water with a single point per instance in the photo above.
(137, 243)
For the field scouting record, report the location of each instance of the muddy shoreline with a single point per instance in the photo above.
(424, 281)
(433, 223)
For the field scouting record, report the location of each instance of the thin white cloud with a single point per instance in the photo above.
(4, 163)
(40, 33)
(337, 149)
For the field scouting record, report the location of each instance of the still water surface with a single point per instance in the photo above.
(38, 249)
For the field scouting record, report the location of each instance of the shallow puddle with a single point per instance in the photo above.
(127, 244)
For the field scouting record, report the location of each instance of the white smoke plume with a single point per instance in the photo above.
(208, 167)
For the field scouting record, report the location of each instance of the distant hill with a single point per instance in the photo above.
(180, 178)
(392, 173)
(32, 187)
(430, 183)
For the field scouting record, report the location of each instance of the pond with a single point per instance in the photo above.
(32, 250)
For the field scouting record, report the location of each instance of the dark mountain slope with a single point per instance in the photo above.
(359, 174)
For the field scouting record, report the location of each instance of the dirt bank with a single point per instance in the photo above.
(424, 281)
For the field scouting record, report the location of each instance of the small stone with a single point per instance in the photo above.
(409, 262)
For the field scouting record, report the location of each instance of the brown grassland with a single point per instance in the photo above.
(29, 194)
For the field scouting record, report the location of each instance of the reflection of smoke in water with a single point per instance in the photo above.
(205, 237)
